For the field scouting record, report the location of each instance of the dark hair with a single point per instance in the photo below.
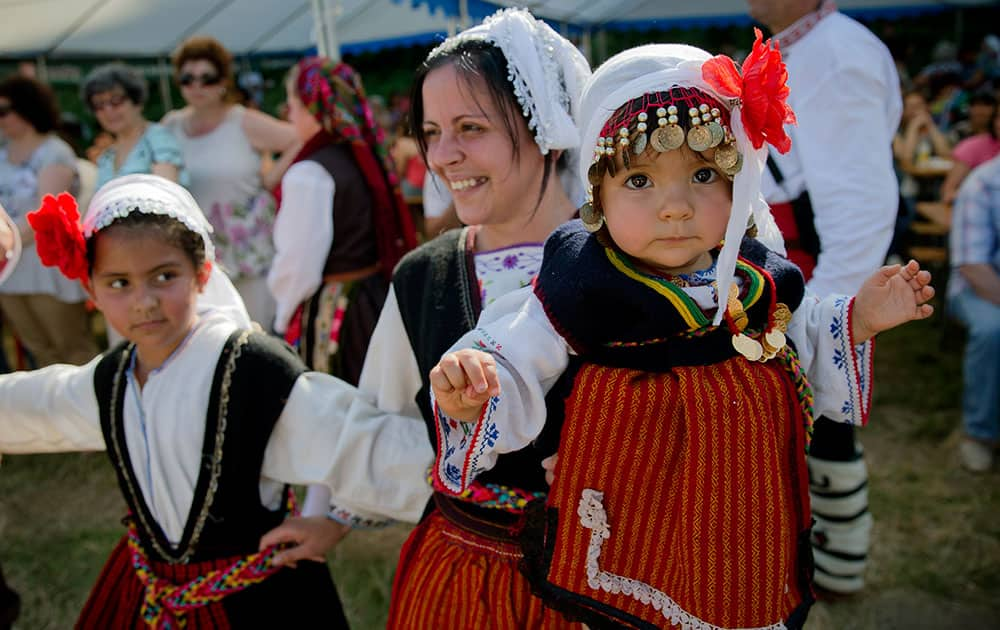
(983, 97)
(163, 227)
(205, 48)
(33, 101)
(475, 59)
(109, 76)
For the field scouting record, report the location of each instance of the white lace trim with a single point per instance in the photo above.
(122, 207)
(595, 518)
(498, 29)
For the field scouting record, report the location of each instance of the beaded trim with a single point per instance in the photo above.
(546, 46)
(216, 464)
(594, 517)
(121, 208)
(493, 495)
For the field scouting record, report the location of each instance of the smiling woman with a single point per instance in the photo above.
(116, 93)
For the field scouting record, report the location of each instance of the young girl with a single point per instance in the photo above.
(680, 491)
(204, 421)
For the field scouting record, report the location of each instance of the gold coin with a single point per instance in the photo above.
(595, 174)
(699, 138)
(748, 347)
(591, 218)
(726, 156)
(718, 135)
(776, 339)
(782, 316)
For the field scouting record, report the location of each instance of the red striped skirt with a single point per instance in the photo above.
(451, 577)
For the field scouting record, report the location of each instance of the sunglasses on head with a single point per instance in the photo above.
(5, 108)
(187, 79)
(112, 101)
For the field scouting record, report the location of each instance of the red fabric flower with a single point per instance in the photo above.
(762, 89)
(59, 237)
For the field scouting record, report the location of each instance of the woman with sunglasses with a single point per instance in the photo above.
(116, 94)
(44, 309)
(223, 144)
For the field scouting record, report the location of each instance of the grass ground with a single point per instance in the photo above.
(935, 562)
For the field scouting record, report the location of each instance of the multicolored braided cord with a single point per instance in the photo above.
(802, 388)
(164, 604)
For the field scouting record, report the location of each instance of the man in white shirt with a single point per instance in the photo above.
(835, 197)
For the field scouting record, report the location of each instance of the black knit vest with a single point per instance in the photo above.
(253, 379)
(354, 241)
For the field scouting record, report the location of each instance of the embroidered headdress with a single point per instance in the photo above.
(547, 73)
(61, 236)
(680, 94)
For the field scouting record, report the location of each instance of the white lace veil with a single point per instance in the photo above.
(547, 72)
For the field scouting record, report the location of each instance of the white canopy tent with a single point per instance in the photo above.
(152, 28)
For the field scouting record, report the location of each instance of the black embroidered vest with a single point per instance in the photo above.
(253, 379)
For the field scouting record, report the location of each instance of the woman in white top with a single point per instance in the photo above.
(222, 143)
(45, 310)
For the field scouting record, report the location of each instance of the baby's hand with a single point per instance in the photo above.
(463, 381)
(894, 295)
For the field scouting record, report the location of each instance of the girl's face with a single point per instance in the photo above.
(305, 123)
(201, 84)
(147, 290)
(668, 211)
(115, 111)
(469, 148)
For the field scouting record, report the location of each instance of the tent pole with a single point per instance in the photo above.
(163, 70)
(325, 13)
(463, 14)
(41, 69)
(586, 46)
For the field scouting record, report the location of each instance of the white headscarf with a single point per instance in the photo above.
(152, 194)
(656, 68)
(547, 72)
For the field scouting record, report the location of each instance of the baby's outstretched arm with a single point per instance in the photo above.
(893, 295)
(463, 381)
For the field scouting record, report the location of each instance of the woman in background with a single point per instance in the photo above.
(44, 310)
(223, 144)
(116, 94)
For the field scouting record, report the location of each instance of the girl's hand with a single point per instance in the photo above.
(894, 295)
(310, 537)
(549, 464)
(463, 381)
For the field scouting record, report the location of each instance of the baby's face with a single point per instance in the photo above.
(668, 210)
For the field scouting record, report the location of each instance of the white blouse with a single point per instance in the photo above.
(327, 434)
(531, 356)
(303, 234)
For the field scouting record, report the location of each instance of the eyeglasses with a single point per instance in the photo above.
(187, 79)
(5, 108)
(113, 101)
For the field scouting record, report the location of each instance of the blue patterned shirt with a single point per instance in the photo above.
(975, 224)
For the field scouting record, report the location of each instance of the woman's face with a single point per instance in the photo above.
(115, 112)
(301, 118)
(913, 104)
(469, 148)
(201, 83)
(12, 126)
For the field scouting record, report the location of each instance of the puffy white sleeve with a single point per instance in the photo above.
(303, 233)
(839, 371)
(50, 410)
(531, 356)
(367, 444)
